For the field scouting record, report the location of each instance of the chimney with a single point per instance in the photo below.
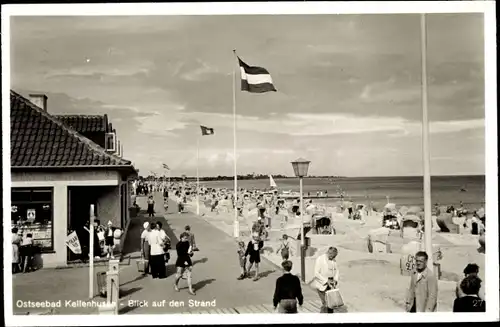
(40, 100)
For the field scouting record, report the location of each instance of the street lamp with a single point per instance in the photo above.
(300, 168)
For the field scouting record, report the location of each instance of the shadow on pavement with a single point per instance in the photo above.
(199, 285)
(266, 273)
(200, 261)
(129, 291)
(134, 280)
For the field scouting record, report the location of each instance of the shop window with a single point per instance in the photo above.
(32, 212)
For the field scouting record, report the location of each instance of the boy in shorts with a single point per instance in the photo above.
(253, 250)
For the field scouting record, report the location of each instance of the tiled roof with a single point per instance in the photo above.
(37, 139)
(85, 123)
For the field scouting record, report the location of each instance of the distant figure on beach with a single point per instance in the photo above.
(471, 269)
(288, 291)
(295, 207)
(180, 204)
(151, 206)
(349, 209)
(423, 290)
(326, 276)
(165, 194)
(470, 302)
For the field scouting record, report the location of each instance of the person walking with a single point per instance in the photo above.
(180, 205)
(151, 206)
(326, 276)
(145, 248)
(253, 251)
(184, 263)
(470, 302)
(423, 290)
(157, 255)
(288, 290)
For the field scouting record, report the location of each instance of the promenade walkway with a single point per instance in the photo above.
(215, 270)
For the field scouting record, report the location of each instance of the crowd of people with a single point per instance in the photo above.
(155, 247)
(421, 295)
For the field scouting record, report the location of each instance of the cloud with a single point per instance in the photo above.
(349, 91)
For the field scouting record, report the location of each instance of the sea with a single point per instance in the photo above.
(403, 191)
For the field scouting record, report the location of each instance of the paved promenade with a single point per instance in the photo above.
(215, 271)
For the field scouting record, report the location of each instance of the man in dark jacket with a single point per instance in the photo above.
(288, 291)
(471, 302)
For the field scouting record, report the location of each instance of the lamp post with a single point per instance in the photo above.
(300, 168)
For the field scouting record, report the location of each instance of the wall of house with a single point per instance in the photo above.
(60, 181)
(108, 206)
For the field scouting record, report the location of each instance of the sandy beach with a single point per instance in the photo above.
(370, 282)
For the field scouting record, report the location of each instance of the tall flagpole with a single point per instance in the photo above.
(236, 222)
(198, 176)
(425, 148)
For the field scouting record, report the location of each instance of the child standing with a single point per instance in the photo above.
(243, 259)
(284, 248)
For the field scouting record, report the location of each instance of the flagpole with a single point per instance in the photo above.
(236, 222)
(198, 175)
(425, 148)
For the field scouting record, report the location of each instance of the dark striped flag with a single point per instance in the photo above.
(206, 130)
(255, 79)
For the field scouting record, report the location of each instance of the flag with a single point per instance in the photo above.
(206, 130)
(255, 79)
(166, 167)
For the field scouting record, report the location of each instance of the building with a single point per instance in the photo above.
(57, 173)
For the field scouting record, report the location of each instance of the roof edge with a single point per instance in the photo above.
(87, 142)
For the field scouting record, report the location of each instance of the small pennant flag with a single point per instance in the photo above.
(255, 79)
(206, 130)
(165, 167)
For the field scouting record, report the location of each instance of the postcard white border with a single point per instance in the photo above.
(269, 8)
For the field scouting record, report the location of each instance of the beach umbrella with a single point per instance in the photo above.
(403, 210)
(413, 218)
(414, 210)
(390, 207)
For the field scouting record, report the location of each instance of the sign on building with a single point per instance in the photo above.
(31, 214)
(73, 243)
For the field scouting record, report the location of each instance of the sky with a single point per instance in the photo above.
(348, 99)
